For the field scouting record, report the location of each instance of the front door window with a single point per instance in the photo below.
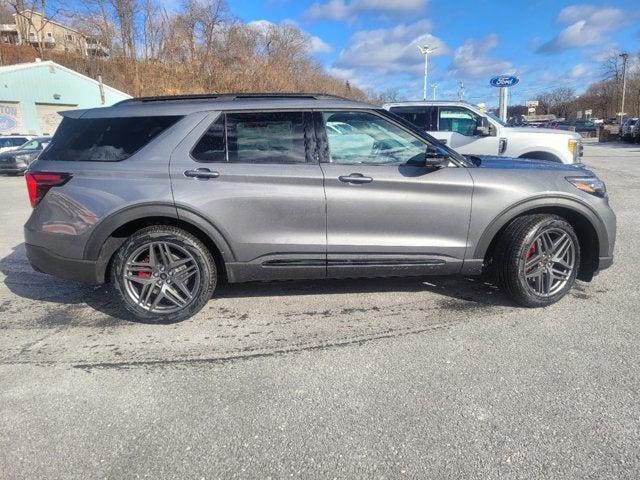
(364, 138)
(459, 120)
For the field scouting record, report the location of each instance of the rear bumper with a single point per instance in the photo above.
(45, 261)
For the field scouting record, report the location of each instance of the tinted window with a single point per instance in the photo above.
(271, 137)
(212, 146)
(268, 137)
(104, 139)
(364, 138)
(457, 119)
(12, 142)
(422, 117)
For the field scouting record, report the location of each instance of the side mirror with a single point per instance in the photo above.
(436, 157)
(485, 129)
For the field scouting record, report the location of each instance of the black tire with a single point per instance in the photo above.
(542, 156)
(513, 249)
(177, 238)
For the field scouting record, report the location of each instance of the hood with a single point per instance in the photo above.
(538, 131)
(508, 163)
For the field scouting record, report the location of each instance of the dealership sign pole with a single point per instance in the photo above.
(503, 82)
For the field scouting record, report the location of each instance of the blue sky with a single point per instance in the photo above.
(547, 43)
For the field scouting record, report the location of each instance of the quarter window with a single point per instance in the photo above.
(365, 138)
(459, 120)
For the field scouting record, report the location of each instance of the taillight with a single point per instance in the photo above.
(39, 183)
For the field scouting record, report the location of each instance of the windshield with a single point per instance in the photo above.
(494, 117)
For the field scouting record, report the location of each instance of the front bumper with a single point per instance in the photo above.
(13, 169)
(45, 261)
(604, 263)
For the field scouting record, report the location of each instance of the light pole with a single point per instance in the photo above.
(434, 86)
(426, 50)
(625, 57)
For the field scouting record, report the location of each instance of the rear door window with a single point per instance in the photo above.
(256, 137)
(104, 139)
(425, 118)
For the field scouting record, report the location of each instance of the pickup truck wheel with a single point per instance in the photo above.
(163, 274)
(538, 257)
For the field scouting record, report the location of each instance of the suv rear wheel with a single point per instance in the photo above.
(163, 274)
(537, 259)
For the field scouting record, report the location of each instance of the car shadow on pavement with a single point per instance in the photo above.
(26, 283)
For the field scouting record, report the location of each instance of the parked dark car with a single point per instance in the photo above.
(15, 162)
(579, 126)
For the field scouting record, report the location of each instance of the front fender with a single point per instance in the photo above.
(556, 202)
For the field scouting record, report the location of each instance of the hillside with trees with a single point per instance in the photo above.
(198, 48)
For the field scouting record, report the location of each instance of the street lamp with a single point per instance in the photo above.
(426, 50)
(625, 58)
(434, 86)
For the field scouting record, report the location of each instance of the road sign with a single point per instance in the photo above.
(502, 81)
(588, 112)
(533, 103)
(532, 110)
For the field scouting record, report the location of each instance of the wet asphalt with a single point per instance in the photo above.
(383, 378)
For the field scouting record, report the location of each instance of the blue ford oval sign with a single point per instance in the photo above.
(504, 81)
(7, 124)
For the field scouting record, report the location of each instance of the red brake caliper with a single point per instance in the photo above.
(531, 252)
(144, 274)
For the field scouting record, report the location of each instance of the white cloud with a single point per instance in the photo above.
(345, 10)
(393, 50)
(316, 44)
(579, 70)
(586, 26)
(471, 59)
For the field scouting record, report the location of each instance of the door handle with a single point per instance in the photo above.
(201, 173)
(355, 178)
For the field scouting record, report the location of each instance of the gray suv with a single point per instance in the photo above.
(166, 197)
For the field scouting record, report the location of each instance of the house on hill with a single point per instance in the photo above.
(33, 28)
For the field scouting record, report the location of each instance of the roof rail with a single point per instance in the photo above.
(228, 97)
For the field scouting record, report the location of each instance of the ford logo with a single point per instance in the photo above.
(7, 124)
(504, 81)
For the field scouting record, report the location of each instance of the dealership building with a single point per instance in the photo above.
(32, 94)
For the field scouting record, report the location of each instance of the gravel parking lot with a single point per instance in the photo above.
(417, 378)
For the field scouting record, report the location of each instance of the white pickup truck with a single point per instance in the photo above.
(466, 129)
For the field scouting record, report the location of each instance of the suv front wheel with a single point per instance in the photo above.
(163, 274)
(537, 258)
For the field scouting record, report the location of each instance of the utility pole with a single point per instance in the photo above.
(461, 91)
(434, 86)
(426, 50)
(625, 58)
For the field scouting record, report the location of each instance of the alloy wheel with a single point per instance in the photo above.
(161, 277)
(549, 262)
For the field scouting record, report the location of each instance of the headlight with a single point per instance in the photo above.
(575, 147)
(591, 185)
(22, 158)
